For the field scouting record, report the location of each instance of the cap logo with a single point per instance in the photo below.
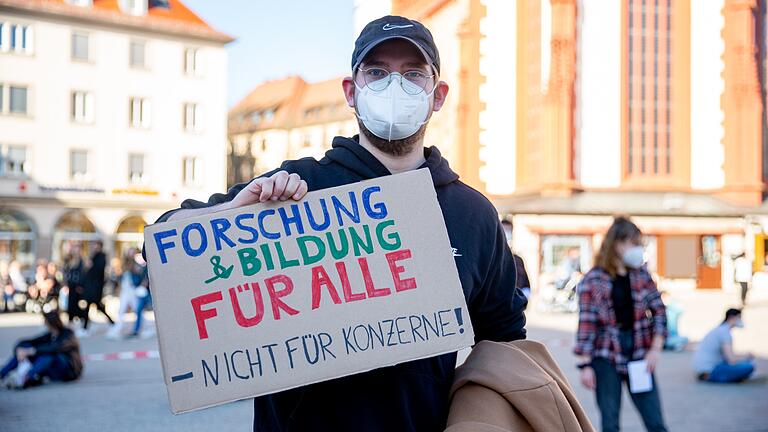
(395, 26)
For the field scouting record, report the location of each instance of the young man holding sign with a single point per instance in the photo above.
(394, 88)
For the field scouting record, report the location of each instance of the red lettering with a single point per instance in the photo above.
(202, 315)
(320, 278)
(392, 258)
(257, 300)
(274, 296)
(349, 296)
(369, 286)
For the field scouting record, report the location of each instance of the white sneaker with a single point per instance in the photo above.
(113, 333)
(21, 373)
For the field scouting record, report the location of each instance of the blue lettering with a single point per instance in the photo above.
(254, 232)
(326, 219)
(219, 226)
(162, 246)
(185, 239)
(381, 209)
(354, 215)
(264, 232)
(288, 220)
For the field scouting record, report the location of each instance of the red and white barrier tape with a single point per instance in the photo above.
(125, 355)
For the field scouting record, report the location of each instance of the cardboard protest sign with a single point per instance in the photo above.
(268, 297)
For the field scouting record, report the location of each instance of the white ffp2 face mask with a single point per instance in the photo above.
(392, 113)
(633, 257)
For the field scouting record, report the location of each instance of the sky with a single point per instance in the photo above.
(274, 39)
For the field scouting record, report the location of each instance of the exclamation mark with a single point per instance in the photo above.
(460, 319)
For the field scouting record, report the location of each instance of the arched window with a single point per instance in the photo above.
(73, 228)
(129, 233)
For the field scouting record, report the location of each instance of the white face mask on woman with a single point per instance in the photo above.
(633, 257)
(393, 113)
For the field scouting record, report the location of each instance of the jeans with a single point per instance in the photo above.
(744, 290)
(141, 303)
(54, 366)
(728, 373)
(608, 394)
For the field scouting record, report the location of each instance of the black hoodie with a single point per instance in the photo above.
(411, 396)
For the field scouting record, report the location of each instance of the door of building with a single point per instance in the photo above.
(708, 264)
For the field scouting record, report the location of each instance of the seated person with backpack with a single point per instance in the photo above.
(54, 355)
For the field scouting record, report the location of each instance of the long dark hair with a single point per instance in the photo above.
(53, 320)
(622, 229)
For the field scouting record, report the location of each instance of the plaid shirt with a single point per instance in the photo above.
(598, 333)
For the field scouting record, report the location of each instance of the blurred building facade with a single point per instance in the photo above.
(110, 112)
(566, 112)
(285, 119)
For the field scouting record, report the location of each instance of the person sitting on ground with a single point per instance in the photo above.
(54, 355)
(674, 341)
(714, 359)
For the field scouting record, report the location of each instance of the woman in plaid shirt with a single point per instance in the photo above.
(621, 319)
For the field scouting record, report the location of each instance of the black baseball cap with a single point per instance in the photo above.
(395, 27)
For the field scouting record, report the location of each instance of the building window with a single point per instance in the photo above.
(135, 7)
(307, 140)
(17, 38)
(78, 165)
(140, 112)
(136, 168)
(137, 54)
(191, 117)
(13, 161)
(191, 61)
(190, 171)
(649, 145)
(82, 107)
(18, 100)
(80, 47)
(17, 238)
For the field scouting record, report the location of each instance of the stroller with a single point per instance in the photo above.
(560, 296)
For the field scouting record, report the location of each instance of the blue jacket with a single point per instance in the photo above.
(412, 396)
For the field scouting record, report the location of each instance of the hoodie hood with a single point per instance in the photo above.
(349, 153)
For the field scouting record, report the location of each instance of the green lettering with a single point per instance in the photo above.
(305, 255)
(357, 242)
(249, 261)
(267, 255)
(342, 251)
(284, 263)
(393, 236)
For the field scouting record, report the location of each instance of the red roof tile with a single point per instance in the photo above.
(295, 103)
(176, 19)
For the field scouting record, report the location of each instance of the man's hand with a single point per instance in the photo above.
(279, 186)
(587, 377)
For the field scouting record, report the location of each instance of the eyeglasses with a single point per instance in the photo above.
(378, 78)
